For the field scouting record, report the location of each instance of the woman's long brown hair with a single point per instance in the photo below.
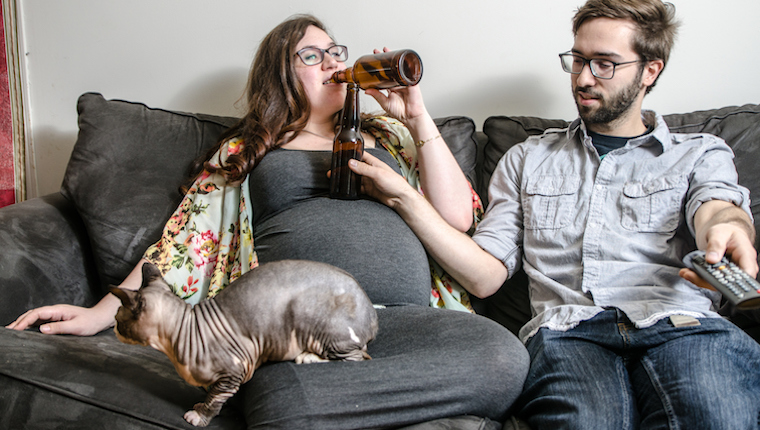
(276, 102)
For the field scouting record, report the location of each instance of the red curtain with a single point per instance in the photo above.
(7, 177)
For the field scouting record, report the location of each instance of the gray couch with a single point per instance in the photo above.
(120, 186)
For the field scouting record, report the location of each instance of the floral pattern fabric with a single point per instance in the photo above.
(208, 242)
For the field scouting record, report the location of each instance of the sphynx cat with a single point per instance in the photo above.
(290, 310)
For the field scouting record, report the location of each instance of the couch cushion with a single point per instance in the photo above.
(97, 382)
(459, 134)
(45, 257)
(94, 382)
(124, 174)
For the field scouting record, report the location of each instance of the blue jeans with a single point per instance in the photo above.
(607, 374)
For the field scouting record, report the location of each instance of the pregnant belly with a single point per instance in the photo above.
(365, 238)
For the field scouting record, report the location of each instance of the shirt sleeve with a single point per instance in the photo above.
(500, 233)
(714, 177)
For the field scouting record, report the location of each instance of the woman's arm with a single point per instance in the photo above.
(443, 182)
(75, 320)
(479, 272)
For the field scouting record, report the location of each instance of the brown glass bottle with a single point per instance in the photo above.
(383, 70)
(348, 144)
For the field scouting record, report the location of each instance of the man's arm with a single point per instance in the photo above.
(724, 229)
(476, 270)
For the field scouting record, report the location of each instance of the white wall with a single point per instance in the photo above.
(481, 58)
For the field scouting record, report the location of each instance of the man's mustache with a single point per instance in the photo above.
(588, 92)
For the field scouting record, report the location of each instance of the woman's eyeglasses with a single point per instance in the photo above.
(312, 56)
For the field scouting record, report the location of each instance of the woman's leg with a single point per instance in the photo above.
(426, 363)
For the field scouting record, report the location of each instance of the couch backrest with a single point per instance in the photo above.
(504, 132)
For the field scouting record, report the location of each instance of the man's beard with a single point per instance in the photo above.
(611, 108)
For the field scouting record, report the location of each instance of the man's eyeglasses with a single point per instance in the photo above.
(312, 56)
(602, 69)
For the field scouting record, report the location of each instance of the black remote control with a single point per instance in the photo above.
(735, 284)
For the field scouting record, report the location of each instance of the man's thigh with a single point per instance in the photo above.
(575, 382)
(704, 374)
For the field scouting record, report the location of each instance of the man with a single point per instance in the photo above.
(600, 216)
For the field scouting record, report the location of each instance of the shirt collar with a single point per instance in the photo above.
(660, 134)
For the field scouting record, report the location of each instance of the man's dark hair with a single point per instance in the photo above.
(655, 21)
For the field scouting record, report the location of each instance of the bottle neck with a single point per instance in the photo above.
(350, 117)
(341, 76)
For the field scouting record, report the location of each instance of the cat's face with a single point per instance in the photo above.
(138, 320)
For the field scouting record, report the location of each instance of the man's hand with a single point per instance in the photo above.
(723, 229)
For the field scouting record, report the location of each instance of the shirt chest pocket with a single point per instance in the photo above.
(549, 201)
(654, 206)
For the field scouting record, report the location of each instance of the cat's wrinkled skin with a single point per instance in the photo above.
(280, 311)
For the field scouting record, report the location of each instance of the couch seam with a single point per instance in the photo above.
(712, 118)
(185, 114)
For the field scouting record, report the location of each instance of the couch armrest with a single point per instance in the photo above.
(44, 257)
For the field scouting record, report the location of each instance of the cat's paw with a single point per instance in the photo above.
(309, 357)
(193, 417)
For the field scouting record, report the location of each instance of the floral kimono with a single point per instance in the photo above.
(208, 241)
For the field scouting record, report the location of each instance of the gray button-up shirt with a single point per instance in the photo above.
(596, 233)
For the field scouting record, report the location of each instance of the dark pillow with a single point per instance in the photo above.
(459, 134)
(125, 171)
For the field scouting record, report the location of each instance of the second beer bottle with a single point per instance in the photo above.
(348, 144)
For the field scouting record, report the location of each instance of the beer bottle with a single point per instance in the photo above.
(348, 144)
(383, 70)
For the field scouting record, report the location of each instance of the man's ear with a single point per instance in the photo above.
(652, 70)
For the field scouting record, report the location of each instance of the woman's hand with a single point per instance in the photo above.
(402, 103)
(68, 319)
(379, 181)
(64, 319)
(442, 180)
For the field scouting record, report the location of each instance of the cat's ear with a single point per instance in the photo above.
(128, 297)
(150, 273)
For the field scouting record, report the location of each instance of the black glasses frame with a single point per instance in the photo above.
(591, 64)
(342, 55)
